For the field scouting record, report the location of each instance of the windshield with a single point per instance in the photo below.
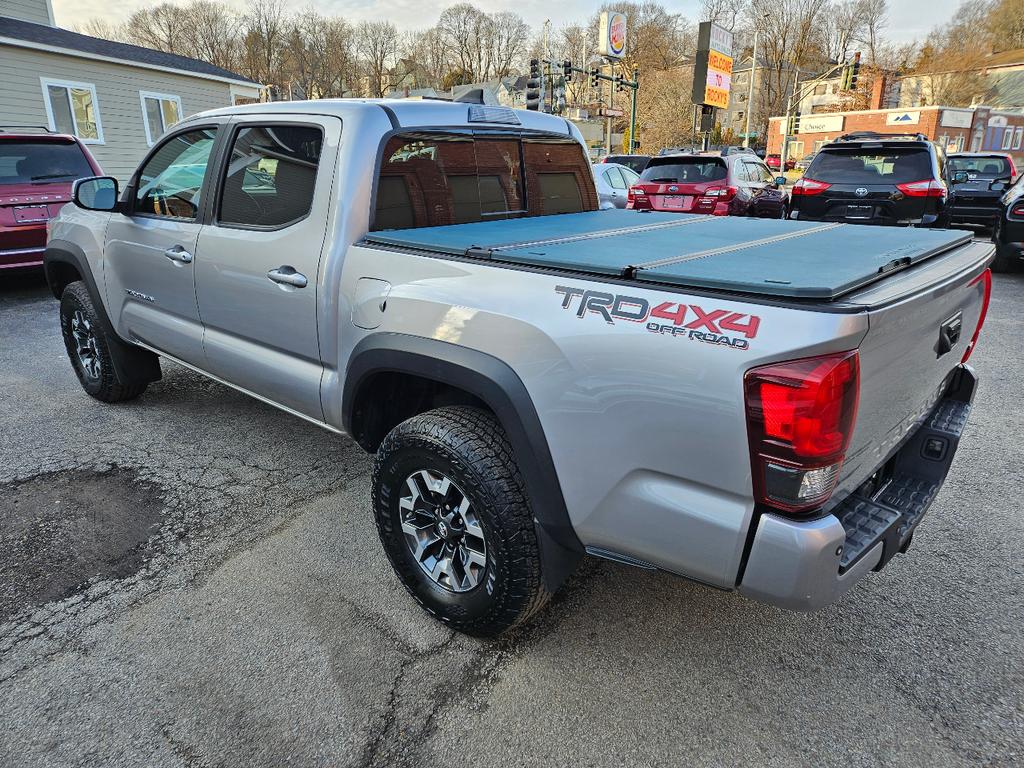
(982, 167)
(41, 162)
(684, 170)
(885, 166)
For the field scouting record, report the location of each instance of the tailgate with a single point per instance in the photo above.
(919, 325)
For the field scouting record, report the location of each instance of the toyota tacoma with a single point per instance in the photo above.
(764, 406)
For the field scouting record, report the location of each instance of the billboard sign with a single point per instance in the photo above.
(712, 74)
(613, 35)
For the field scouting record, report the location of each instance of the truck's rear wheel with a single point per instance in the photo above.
(89, 349)
(453, 515)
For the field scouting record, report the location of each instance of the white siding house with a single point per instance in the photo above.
(116, 98)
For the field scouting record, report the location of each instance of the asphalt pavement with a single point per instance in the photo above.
(194, 579)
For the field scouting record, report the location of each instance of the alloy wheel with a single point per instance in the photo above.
(84, 337)
(442, 531)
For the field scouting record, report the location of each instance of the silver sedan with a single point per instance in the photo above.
(613, 182)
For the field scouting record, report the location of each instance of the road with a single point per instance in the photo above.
(194, 579)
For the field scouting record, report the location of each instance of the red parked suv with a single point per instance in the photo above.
(738, 184)
(37, 169)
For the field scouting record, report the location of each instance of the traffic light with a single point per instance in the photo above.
(848, 81)
(618, 84)
(535, 87)
(595, 81)
(794, 124)
(567, 70)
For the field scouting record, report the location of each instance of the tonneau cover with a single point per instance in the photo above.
(795, 259)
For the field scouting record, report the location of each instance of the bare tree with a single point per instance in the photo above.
(508, 42)
(841, 26)
(874, 16)
(265, 28)
(100, 26)
(378, 41)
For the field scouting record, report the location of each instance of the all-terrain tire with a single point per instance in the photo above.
(469, 447)
(88, 347)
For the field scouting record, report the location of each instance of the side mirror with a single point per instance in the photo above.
(98, 193)
(959, 177)
(781, 181)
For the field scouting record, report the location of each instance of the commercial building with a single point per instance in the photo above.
(957, 129)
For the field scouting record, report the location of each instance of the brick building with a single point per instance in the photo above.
(958, 129)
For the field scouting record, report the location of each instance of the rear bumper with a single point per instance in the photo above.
(806, 565)
(14, 258)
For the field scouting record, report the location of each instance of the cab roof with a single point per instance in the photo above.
(412, 113)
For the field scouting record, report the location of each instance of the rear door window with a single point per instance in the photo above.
(428, 180)
(41, 162)
(686, 170)
(882, 166)
(271, 175)
(614, 177)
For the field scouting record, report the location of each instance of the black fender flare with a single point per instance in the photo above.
(133, 365)
(500, 388)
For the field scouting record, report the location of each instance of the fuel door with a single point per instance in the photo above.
(370, 302)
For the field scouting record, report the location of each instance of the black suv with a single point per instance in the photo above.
(874, 178)
(977, 180)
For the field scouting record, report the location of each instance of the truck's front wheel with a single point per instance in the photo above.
(453, 515)
(89, 348)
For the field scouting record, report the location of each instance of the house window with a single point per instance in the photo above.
(159, 112)
(820, 90)
(73, 108)
(1007, 137)
(1017, 136)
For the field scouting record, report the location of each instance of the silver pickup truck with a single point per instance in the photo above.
(763, 406)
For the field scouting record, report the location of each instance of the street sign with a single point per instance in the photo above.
(712, 73)
(610, 112)
(612, 42)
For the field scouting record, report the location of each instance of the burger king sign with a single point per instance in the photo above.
(613, 35)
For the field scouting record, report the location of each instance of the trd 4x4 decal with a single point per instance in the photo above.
(715, 326)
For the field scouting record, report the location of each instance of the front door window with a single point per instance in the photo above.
(171, 181)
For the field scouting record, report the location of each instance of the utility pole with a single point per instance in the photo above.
(632, 115)
(750, 89)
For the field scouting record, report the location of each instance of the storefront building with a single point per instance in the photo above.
(957, 129)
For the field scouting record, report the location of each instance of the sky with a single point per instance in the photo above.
(908, 19)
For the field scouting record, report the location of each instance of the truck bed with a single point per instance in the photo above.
(789, 259)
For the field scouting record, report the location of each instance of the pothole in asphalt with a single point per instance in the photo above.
(59, 530)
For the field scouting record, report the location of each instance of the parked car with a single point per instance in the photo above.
(738, 184)
(539, 379)
(774, 161)
(635, 163)
(804, 162)
(1008, 233)
(870, 178)
(37, 168)
(613, 183)
(977, 182)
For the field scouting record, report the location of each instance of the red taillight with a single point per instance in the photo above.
(800, 416)
(1017, 209)
(985, 278)
(805, 187)
(636, 197)
(926, 188)
(723, 194)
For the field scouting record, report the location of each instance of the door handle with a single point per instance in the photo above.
(178, 254)
(286, 275)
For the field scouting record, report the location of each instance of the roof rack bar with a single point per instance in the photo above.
(8, 128)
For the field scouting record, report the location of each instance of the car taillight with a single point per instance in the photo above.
(805, 186)
(1018, 209)
(722, 193)
(800, 417)
(986, 278)
(926, 188)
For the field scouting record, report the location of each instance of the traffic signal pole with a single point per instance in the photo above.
(849, 80)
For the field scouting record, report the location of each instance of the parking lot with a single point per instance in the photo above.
(194, 579)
